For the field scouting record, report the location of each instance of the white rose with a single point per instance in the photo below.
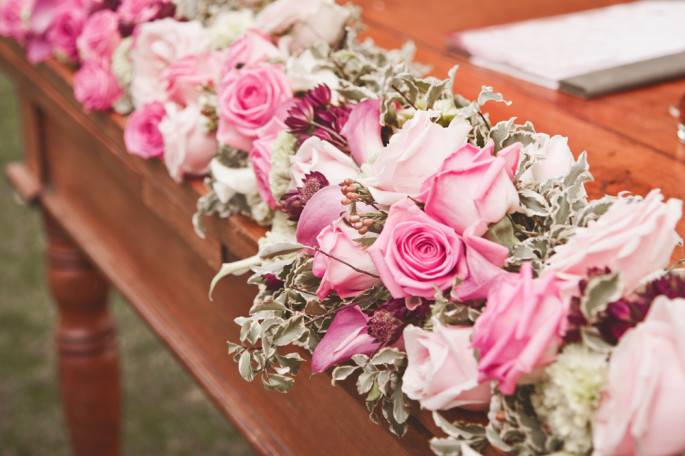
(554, 159)
(229, 25)
(306, 72)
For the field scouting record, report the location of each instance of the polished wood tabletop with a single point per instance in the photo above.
(112, 218)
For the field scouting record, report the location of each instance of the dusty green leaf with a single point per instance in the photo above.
(365, 382)
(599, 292)
(290, 331)
(245, 366)
(340, 373)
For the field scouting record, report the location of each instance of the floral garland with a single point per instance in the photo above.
(435, 256)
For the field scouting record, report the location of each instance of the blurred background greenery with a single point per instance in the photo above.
(164, 411)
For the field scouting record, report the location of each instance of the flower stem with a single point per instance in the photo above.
(361, 271)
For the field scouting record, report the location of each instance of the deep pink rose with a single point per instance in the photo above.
(96, 87)
(520, 329)
(317, 155)
(413, 153)
(305, 22)
(66, 26)
(157, 45)
(363, 131)
(337, 240)
(442, 370)
(247, 99)
(11, 23)
(482, 182)
(346, 336)
(142, 135)
(641, 411)
(251, 48)
(634, 238)
(188, 147)
(100, 36)
(260, 154)
(185, 78)
(414, 253)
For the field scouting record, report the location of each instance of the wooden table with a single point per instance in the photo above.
(115, 219)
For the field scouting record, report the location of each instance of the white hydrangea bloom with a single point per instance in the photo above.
(121, 65)
(568, 396)
(229, 25)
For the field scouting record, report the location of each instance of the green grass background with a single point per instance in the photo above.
(164, 411)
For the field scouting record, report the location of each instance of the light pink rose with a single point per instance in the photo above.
(185, 78)
(483, 183)
(141, 135)
(413, 153)
(363, 131)
(634, 238)
(247, 100)
(317, 155)
(11, 23)
(641, 411)
(442, 370)
(305, 22)
(158, 45)
(100, 36)
(556, 160)
(346, 336)
(188, 148)
(337, 240)
(260, 154)
(96, 87)
(414, 253)
(251, 48)
(520, 329)
(66, 26)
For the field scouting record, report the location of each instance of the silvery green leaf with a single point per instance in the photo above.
(232, 348)
(399, 409)
(487, 94)
(501, 131)
(254, 333)
(340, 373)
(563, 211)
(374, 394)
(599, 292)
(277, 382)
(532, 203)
(502, 233)
(245, 367)
(445, 446)
(267, 306)
(314, 307)
(387, 355)
(458, 429)
(593, 339)
(365, 382)
(290, 331)
(384, 381)
(279, 248)
(396, 427)
(595, 209)
(360, 360)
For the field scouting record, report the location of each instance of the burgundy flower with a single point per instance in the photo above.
(293, 202)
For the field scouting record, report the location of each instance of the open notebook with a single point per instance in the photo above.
(588, 53)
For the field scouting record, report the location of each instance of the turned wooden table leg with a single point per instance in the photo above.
(86, 347)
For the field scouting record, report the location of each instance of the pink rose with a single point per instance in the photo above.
(483, 183)
(184, 79)
(188, 147)
(346, 336)
(251, 48)
(100, 36)
(66, 26)
(414, 253)
(260, 154)
(442, 370)
(158, 45)
(139, 11)
(337, 240)
(636, 238)
(11, 23)
(247, 100)
(641, 411)
(42, 16)
(363, 131)
(317, 155)
(520, 329)
(142, 135)
(96, 87)
(306, 22)
(413, 153)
